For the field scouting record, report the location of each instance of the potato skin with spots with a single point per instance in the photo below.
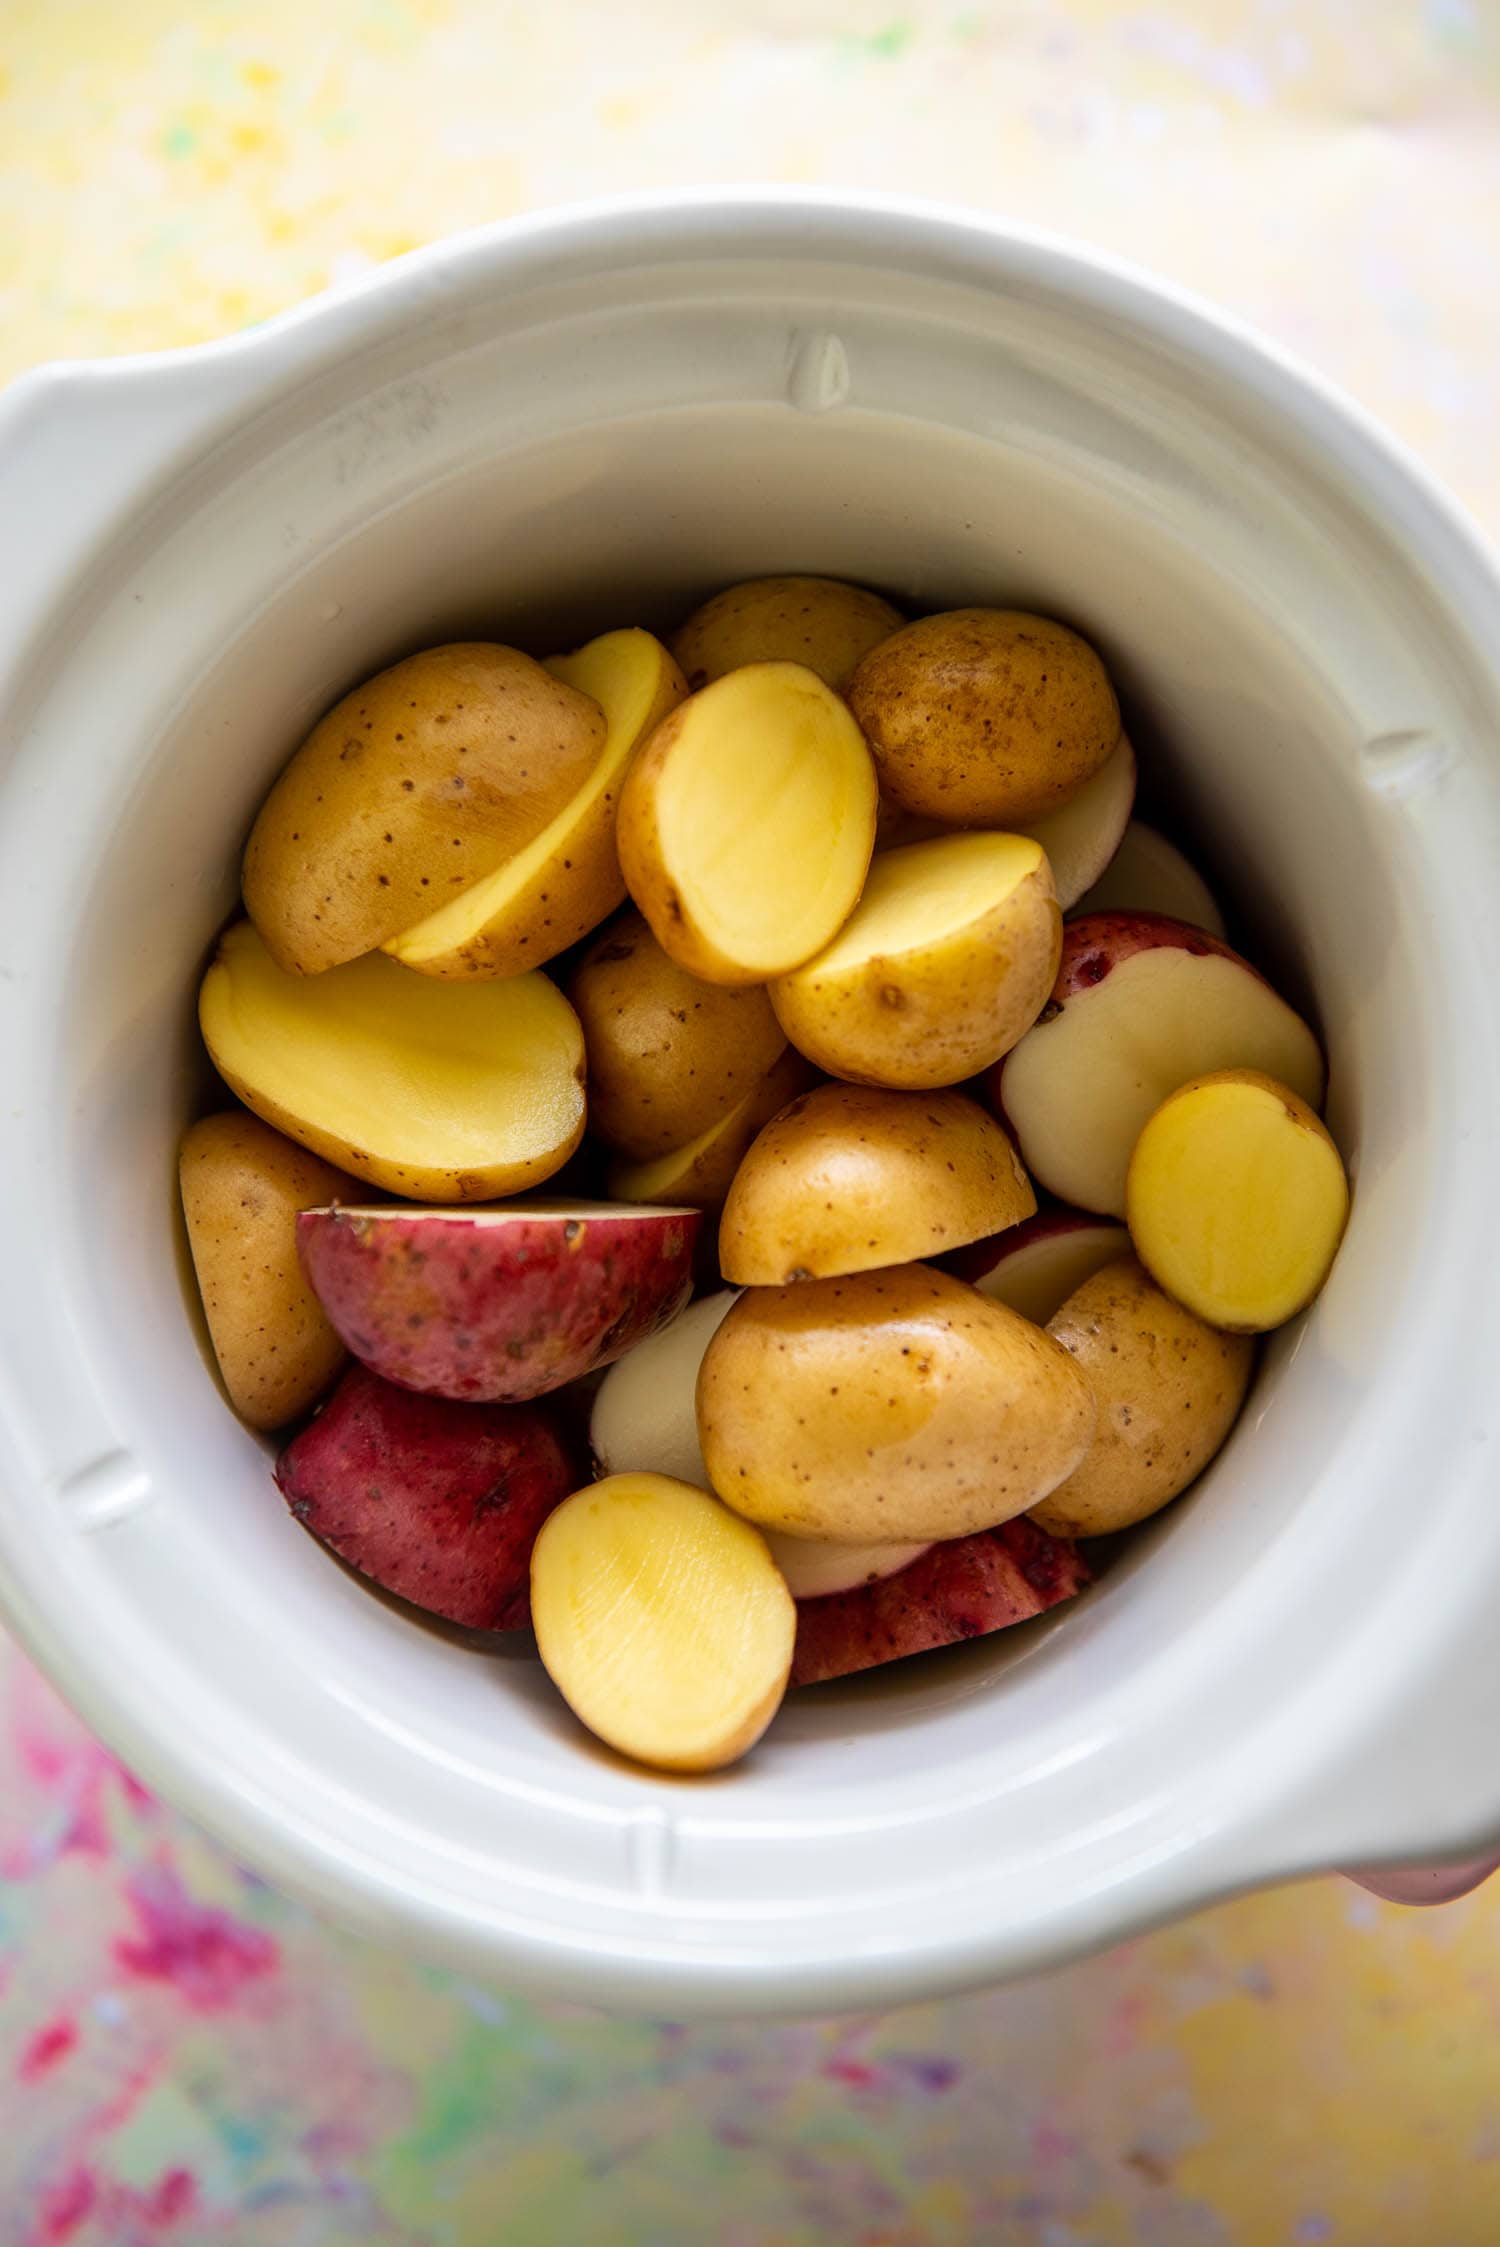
(1169, 1390)
(458, 1307)
(959, 1590)
(985, 717)
(890, 1406)
(413, 786)
(437, 1502)
(850, 1177)
(668, 1054)
(242, 1186)
(702, 1172)
(816, 621)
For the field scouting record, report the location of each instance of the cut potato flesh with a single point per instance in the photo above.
(645, 1416)
(662, 1620)
(1035, 1266)
(1147, 874)
(568, 879)
(747, 824)
(1079, 1087)
(817, 1568)
(946, 961)
(436, 1091)
(701, 1173)
(1082, 835)
(1237, 1200)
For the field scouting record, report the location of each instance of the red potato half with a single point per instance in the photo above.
(1082, 835)
(1141, 1005)
(1034, 1267)
(959, 1590)
(437, 1502)
(497, 1305)
(1147, 874)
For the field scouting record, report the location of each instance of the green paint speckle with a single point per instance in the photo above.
(179, 140)
(878, 46)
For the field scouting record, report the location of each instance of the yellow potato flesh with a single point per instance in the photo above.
(438, 1091)
(944, 965)
(1236, 1200)
(662, 1620)
(568, 880)
(701, 1173)
(747, 824)
(849, 1178)
(818, 621)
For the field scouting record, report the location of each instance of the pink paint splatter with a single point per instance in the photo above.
(47, 2049)
(1123, 2027)
(201, 1950)
(64, 2206)
(175, 2194)
(73, 1779)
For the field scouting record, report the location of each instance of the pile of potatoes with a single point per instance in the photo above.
(901, 1234)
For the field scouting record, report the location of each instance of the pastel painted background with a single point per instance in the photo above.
(185, 2057)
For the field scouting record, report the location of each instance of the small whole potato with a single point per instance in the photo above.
(892, 1406)
(242, 1187)
(985, 717)
(417, 784)
(1169, 1390)
(668, 1055)
(816, 621)
(850, 1177)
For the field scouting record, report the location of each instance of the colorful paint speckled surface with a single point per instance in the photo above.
(186, 2057)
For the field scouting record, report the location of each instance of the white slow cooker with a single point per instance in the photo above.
(592, 418)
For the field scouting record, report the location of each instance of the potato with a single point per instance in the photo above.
(954, 1591)
(497, 1304)
(668, 1055)
(985, 717)
(437, 1502)
(701, 1173)
(415, 785)
(567, 880)
(1168, 1389)
(661, 1619)
(817, 621)
(1236, 1200)
(945, 962)
(891, 1407)
(644, 1418)
(747, 822)
(242, 1186)
(849, 1178)
(446, 1092)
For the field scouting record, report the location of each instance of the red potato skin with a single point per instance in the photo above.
(958, 1590)
(437, 1502)
(493, 1314)
(975, 1258)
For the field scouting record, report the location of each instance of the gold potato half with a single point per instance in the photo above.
(818, 621)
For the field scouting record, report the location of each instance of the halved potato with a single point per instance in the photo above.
(1236, 1200)
(662, 1620)
(1169, 1389)
(892, 1407)
(946, 961)
(701, 1173)
(985, 717)
(747, 822)
(447, 1092)
(818, 621)
(414, 786)
(567, 880)
(668, 1054)
(849, 1178)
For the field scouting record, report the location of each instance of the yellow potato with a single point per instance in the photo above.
(668, 1055)
(1168, 1388)
(447, 1092)
(568, 879)
(849, 1178)
(818, 621)
(946, 961)
(985, 717)
(414, 786)
(1236, 1200)
(242, 1186)
(891, 1407)
(747, 822)
(699, 1175)
(662, 1620)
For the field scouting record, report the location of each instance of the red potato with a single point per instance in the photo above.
(1141, 1005)
(497, 1305)
(1034, 1267)
(958, 1590)
(437, 1502)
